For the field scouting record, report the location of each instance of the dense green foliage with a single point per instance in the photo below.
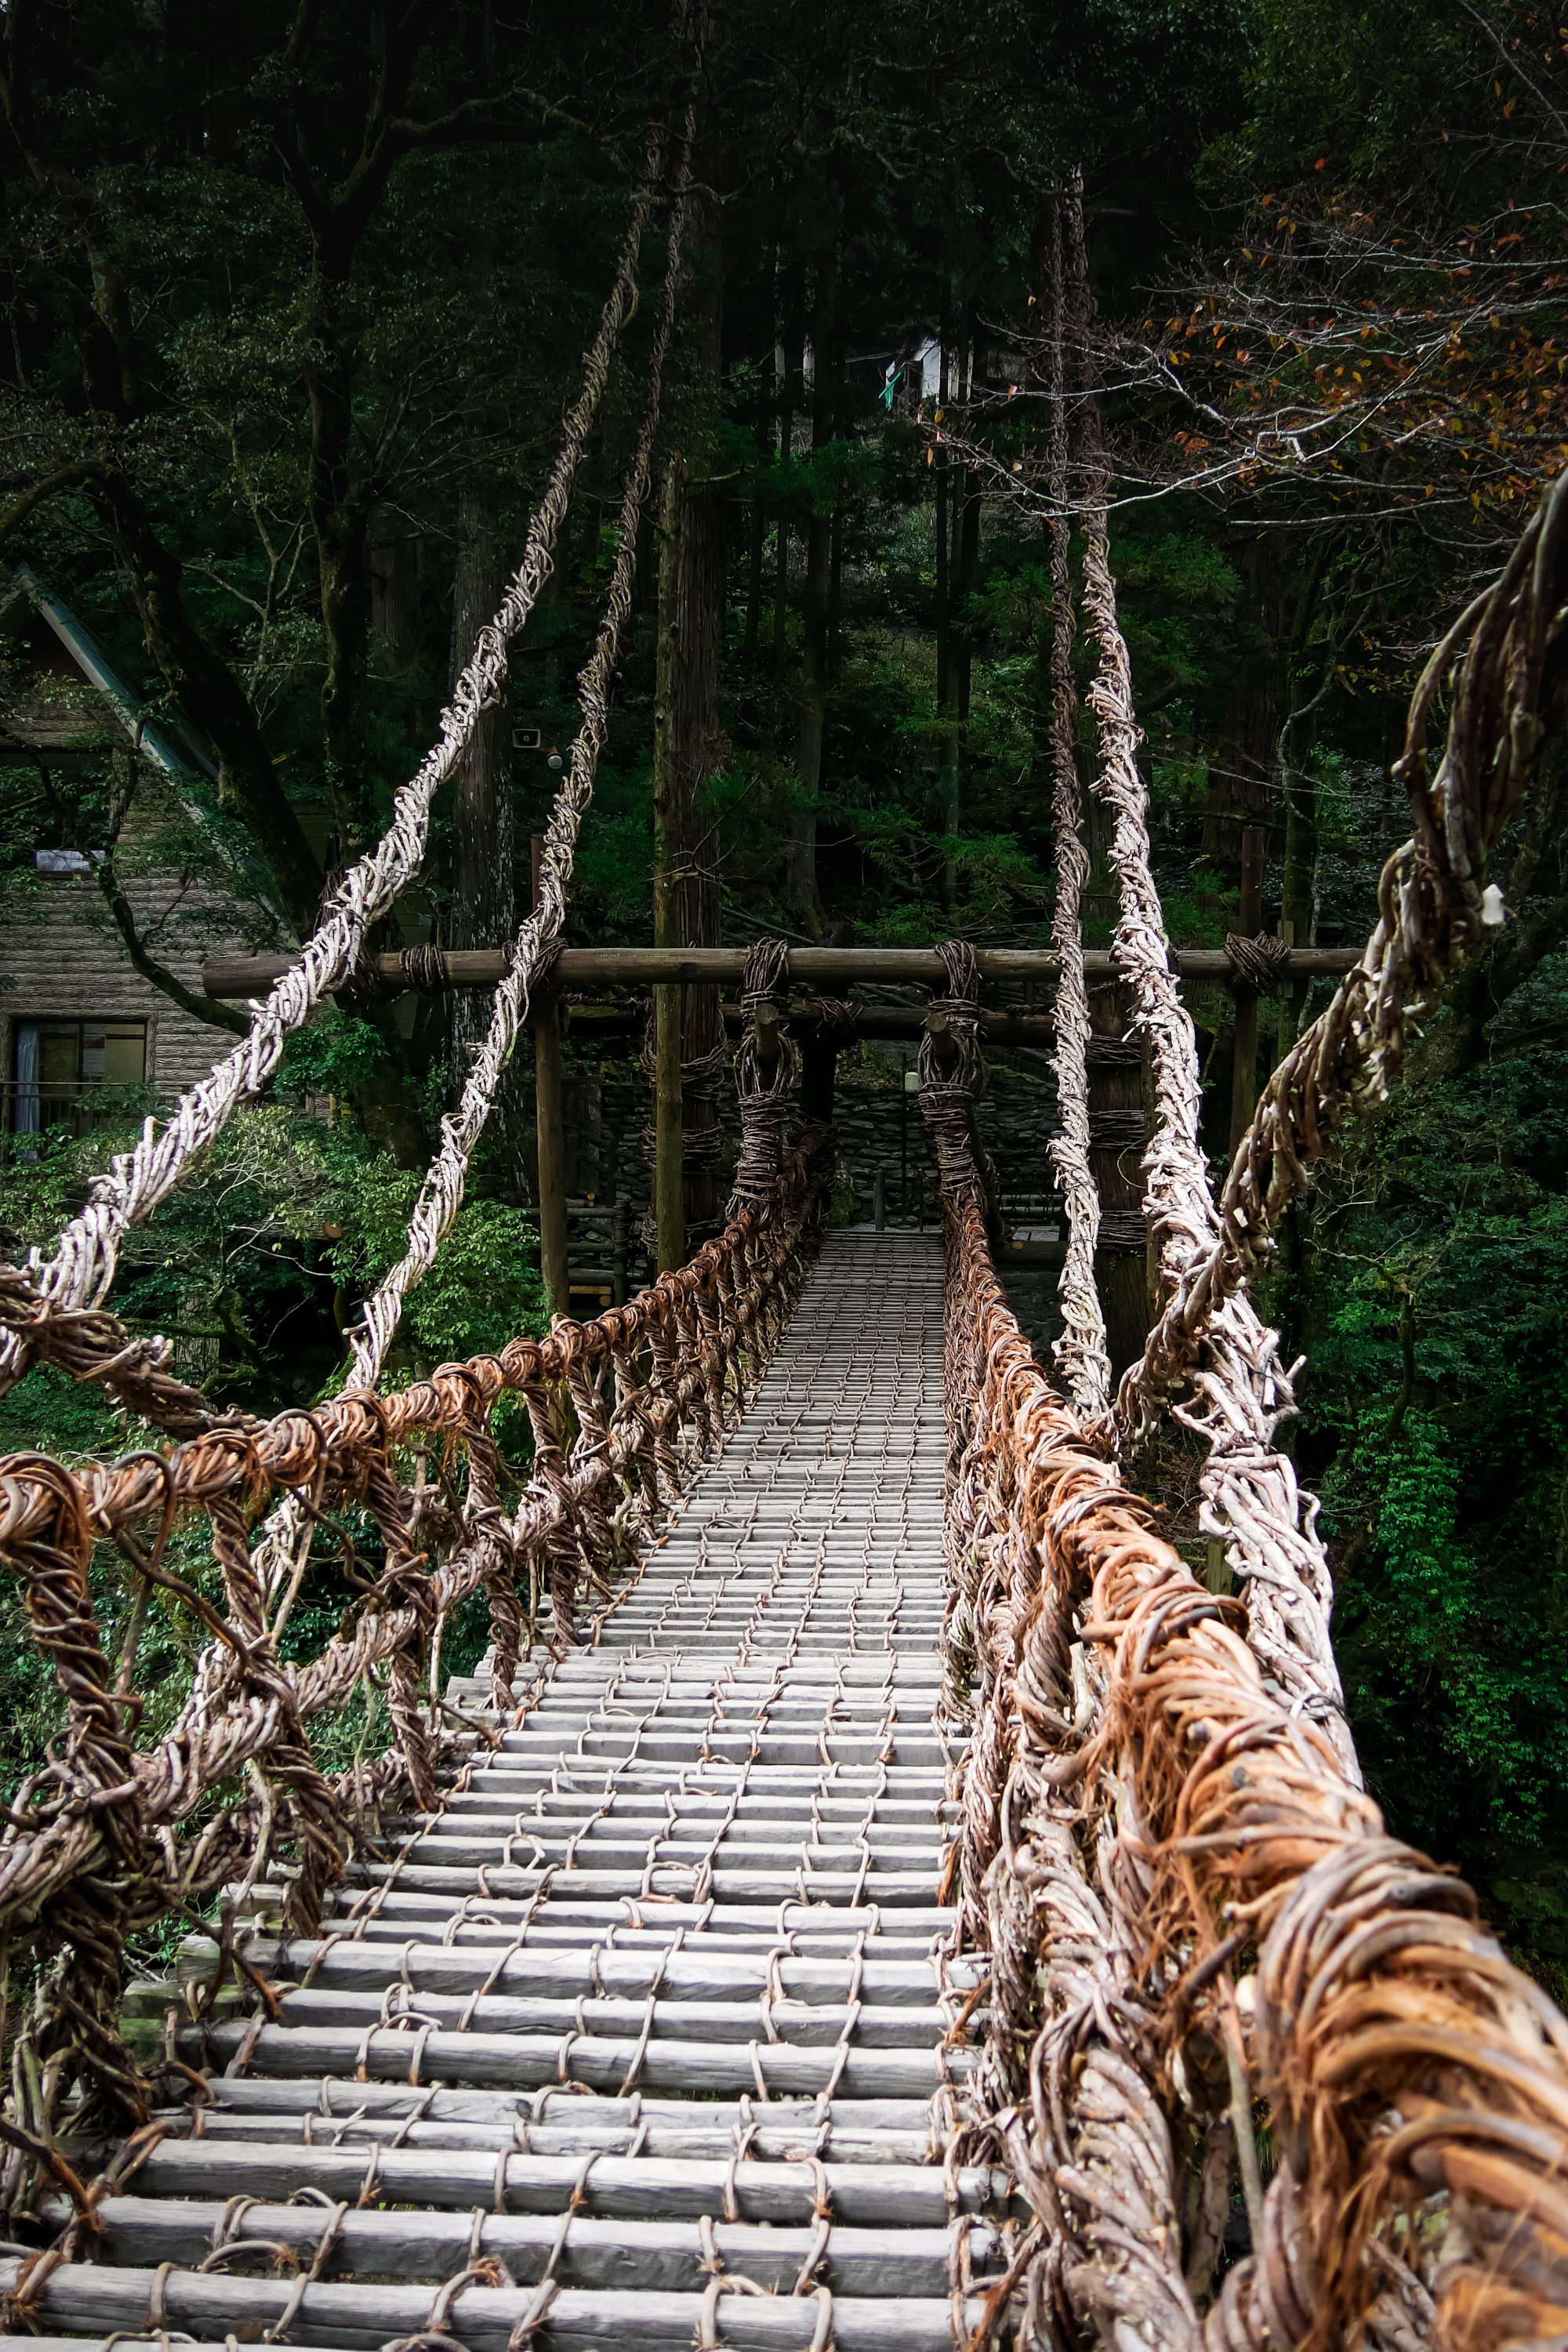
(276, 1231)
(1435, 1280)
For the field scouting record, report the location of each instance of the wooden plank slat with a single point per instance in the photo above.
(98, 2299)
(663, 1985)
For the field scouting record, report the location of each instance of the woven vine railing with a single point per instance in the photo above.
(109, 1834)
(1189, 1900)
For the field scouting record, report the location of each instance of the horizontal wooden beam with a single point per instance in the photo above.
(820, 968)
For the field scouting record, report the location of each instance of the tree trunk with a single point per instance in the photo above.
(340, 508)
(206, 689)
(800, 878)
(788, 363)
(943, 681)
(687, 748)
(835, 600)
(800, 868)
(758, 528)
(410, 608)
(1295, 774)
(1242, 770)
(483, 909)
(947, 739)
(961, 664)
(1298, 908)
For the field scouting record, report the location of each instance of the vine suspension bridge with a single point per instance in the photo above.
(870, 1883)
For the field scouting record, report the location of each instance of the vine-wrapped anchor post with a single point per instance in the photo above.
(766, 1060)
(952, 1079)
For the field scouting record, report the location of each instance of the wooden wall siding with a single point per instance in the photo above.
(57, 964)
(60, 959)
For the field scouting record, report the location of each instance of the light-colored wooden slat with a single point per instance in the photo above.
(98, 2299)
(661, 1987)
(642, 2188)
(663, 2256)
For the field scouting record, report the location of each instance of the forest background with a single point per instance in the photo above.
(293, 297)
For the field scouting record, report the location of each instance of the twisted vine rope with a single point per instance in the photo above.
(83, 1267)
(700, 1080)
(620, 1413)
(1433, 906)
(1065, 2018)
(441, 1194)
(1144, 1809)
(1080, 1354)
(1249, 1497)
(1147, 1797)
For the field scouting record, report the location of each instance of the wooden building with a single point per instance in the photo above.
(77, 1019)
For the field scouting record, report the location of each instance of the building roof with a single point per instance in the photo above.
(177, 752)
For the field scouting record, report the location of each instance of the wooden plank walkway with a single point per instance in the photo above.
(642, 2039)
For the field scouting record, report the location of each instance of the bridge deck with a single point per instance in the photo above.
(654, 2006)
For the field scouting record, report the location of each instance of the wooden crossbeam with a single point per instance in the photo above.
(820, 968)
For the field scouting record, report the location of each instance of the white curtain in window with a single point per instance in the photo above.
(28, 1080)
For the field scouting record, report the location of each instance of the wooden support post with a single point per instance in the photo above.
(945, 1045)
(549, 1087)
(685, 716)
(1244, 1068)
(670, 1155)
(1284, 1020)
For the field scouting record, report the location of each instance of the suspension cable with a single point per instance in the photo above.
(1249, 1496)
(441, 1194)
(82, 1265)
(1080, 1354)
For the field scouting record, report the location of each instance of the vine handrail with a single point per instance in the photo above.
(620, 1413)
(1155, 1787)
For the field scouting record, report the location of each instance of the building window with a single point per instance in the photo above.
(59, 1070)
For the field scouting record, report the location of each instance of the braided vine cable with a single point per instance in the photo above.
(82, 1267)
(1507, 696)
(1080, 1354)
(1142, 1804)
(1249, 1497)
(701, 1078)
(441, 1194)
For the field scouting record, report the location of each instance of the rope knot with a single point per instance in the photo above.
(425, 967)
(1260, 964)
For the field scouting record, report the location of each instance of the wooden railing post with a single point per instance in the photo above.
(549, 1083)
(670, 1155)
